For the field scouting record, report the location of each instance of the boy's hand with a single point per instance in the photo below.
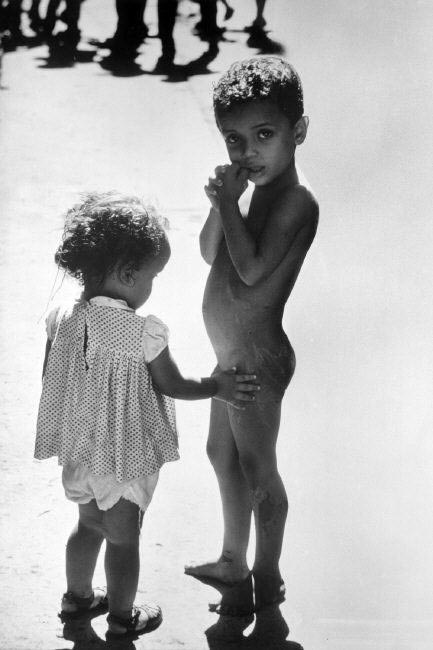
(228, 184)
(235, 388)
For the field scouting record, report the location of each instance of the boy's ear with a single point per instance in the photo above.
(300, 129)
(126, 275)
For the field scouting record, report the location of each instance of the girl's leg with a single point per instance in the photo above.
(82, 550)
(122, 561)
(255, 431)
(236, 501)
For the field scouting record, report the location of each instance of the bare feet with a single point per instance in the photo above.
(223, 570)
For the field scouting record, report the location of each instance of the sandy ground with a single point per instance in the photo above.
(355, 448)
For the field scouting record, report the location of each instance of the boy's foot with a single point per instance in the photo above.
(73, 606)
(269, 590)
(143, 619)
(223, 570)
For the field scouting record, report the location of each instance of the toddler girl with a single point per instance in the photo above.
(106, 409)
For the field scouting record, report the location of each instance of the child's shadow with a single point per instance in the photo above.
(270, 632)
(81, 632)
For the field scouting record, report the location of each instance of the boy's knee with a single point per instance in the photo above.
(266, 499)
(222, 461)
(256, 469)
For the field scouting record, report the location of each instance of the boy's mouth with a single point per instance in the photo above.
(253, 171)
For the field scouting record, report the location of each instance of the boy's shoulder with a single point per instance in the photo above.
(297, 202)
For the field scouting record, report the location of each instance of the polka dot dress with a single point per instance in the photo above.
(98, 405)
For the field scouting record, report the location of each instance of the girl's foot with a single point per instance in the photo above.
(224, 570)
(73, 606)
(143, 619)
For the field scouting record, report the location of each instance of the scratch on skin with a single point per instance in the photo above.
(271, 511)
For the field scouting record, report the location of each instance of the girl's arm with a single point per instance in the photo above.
(227, 386)
(211, 236)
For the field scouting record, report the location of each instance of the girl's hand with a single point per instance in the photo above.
(235, 388)
(228, 184)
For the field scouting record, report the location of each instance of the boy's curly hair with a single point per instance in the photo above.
(260, 78)
(107, 230)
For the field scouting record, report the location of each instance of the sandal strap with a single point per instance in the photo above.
(129, 623)
(79, 601)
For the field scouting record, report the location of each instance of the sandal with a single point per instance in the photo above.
(73, 606)
(136, 624)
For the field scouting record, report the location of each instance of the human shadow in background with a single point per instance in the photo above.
(198, 66)
(260, 40)
(173, 73)
(63, 58)
(270, 632)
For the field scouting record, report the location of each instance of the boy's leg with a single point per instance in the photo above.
(82, 549)
(122, 561)
(236, 501)
(255, 430)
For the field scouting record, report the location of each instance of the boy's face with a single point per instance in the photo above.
(259, 137)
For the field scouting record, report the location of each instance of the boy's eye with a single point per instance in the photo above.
(232, 139)
(265, 134)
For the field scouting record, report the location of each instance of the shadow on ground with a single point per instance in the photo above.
(270, 632)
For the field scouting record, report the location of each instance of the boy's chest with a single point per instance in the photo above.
(258, 215)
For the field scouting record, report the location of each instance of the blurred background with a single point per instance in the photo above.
(99, 99)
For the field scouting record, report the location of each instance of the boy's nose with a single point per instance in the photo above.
(249, 152)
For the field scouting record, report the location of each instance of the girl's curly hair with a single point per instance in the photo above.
(265, 77)
(108, 230)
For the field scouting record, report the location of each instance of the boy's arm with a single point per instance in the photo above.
(293, 220)
(291, 225)
(211, 236)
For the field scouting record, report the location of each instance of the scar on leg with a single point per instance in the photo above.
(271, 510)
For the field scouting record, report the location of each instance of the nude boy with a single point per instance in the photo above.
(255, 261)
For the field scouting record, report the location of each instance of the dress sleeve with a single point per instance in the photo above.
(52, 322)
(155, 338)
